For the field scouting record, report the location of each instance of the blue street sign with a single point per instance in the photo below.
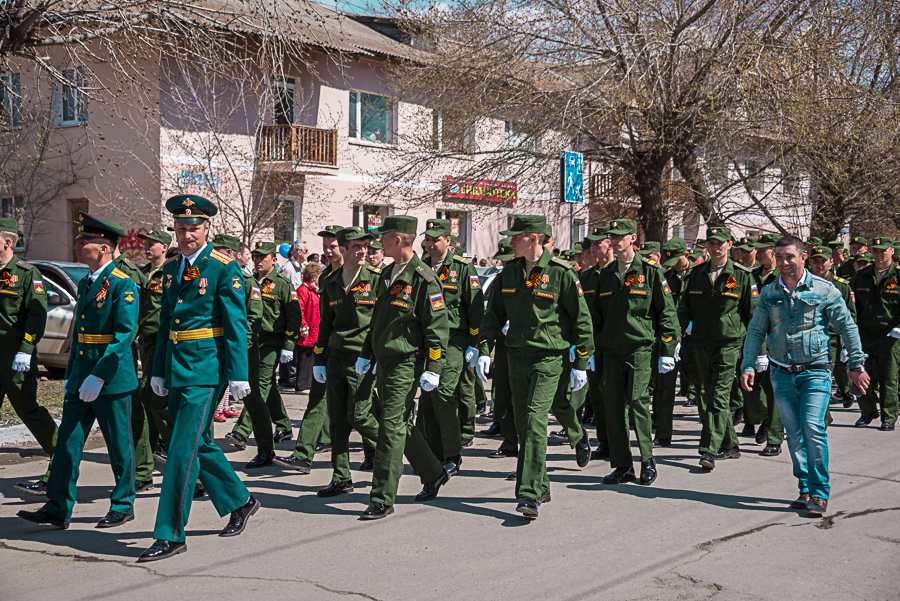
(571, 176)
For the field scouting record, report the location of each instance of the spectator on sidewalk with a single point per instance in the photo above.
(308, 295)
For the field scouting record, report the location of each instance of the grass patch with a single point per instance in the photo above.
(49, 395)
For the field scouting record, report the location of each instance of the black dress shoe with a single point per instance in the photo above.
(648, 472)
(493, 430)
(620, 475)
(662, 442)
(559, 435)
(292, 463)
(737, 417)
(336, 488)
(367, 465)
(865, 420)
(690, 403)
(283, 435)
(511, 477)
(42, 516)
(143, 485)
(748, 430)
(452, 464)
(376, 511)
(467, 442)
(430, 490)
(162, 549)
(322, 447)
(479, 408)
(886, 427)
(161, 457)
(583, 449)
(261, 460)
(708, 462)
(545, 498)
(771, 450)
(199, 490)
(848, 400)
(239, 517)
(114, 518)
(762, 435)
(35, 489)
(600, 454)
(237, 440)
(503, 452)
(528, 508)
(732, 453)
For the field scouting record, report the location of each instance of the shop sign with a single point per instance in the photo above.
(487, 190)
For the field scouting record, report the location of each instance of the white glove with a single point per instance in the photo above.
(304, 332)
(678, 352)
(591, 366)
(690, 327)
(505, 328)
(362, 365)
(287, 356)
(666, 364)
(472, 356)
(845, 356)
(319, 373)
(577, 379)
(482, 366)
(762, 363)
(429, 381)
(572, 354)
(90, 389)
(158, 385)
(21, 362)
(895, 333)
(239, 389)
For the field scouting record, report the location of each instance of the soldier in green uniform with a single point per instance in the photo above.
(376, 254)
(837, 255)
(376, 260)
(254, 404)
(876, 289)
(100, 379)
(346, 301)
(677, 269)
(650, 251)
(600, 249)
(441, 413)
(501, 392)
(635, 310)
(201, 346)
(278, 334)
(820, 265)
(315, 429)
(744, 253)
(23, 313)
(858, 246)
(760, 405)
(717, 304)
(407, 337)
(536, 290)
(152, 429)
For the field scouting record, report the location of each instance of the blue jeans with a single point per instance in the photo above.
(802, 400)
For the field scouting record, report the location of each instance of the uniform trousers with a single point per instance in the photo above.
(439, 410)
(269, 356)
(716, 366)
(349, 407)
(627, 378)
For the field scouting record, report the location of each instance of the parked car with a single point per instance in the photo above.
(61, 283)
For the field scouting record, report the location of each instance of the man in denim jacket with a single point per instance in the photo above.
(795, 312)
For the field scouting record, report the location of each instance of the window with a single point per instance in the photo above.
(70, 100)
(370, 216)
(285, 221)
(10, 101)
(522, 143)
(284, 101)
(718, 171)
(579, 231)
(8, 206)
(372, 118)
(790, 186)
(460, 226)
(753, 171)
(452, 133)
(678, 231)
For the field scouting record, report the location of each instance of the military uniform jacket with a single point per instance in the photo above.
(106, 319)
(846, 270)
(637, 310)
(151, 301)
(410, 317)
(462, 295)
(589, 278)
(847, 294)
(124, 265)
(23, 306)
(762, 282)
(877, 303)
(720, 312)
(344, 317)
(222, 308)
(546, 311)
(253, 296)
(677, 282)
(282, 315)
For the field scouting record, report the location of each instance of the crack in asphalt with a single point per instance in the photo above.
(152, 572)
(708, 545)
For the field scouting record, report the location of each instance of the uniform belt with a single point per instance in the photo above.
(198, 334)
(796, 369)
(95, 338)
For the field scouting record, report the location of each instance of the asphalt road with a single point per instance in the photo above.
(724, 535)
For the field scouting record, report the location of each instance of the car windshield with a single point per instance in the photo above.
(76, 272)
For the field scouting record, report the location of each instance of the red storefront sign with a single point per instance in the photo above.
(469, 189)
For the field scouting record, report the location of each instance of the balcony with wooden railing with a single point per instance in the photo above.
(297, 144)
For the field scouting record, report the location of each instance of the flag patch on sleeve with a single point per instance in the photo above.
(474, 282)
(437, 301)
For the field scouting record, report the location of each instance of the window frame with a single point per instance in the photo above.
(78, 76)
(354, 131)
(289, 86)
(11, 101)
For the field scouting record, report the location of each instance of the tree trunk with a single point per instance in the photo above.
(685, 160)
(648, 175)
